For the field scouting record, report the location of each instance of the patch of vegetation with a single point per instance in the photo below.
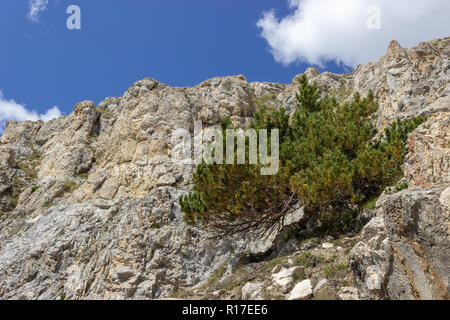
(155, 227)
(342, 92)
(70, 186)
(344, 283)
(268, 295)
(370, 203)
(401, 187)
(34, 189)
(81, 175)
(329, 163)
(93, 149)
(23, 180)
(332, 258)
(334, 269)
(299, 275)
(13, 202)
(268, 266)
(48, 204)
(28, 168)
(312, 240)
(217, 274)
(325, 294)
(35, 156)
(179, 294)
(29, 164)
(240, 277)
(261, 101)
(307, 260)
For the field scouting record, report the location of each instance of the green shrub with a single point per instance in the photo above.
(329, 163)
(307, 260)
(81, 175)
(70, 186)
(261, 101)
(401, 187)
(48, 204)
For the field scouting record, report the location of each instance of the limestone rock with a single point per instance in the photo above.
(285, 279)
(252, 291)
(348, 293)
(321, 284)
(301, 291)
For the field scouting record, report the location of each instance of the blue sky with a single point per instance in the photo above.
(178, 42)
(182, 43)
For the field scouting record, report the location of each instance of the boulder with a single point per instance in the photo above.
(285, 278)
(252, 291)
(301, 291)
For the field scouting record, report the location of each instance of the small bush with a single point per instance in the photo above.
(299, 275)
(307, 260)
(261, 101)
(48, 204)
(401, 187)
(179, 294)
(70, 186)
(13, 202)
(81, 175)
(332, 270)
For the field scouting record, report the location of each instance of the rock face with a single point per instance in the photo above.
(406, 249)
(96, 193)
(428, 161)
(89, 201)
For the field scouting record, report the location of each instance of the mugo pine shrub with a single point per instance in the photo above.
(331, 163)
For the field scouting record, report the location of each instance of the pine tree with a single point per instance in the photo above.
(329, 164)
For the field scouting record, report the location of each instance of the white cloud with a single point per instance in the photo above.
(35, 8)
(317, 31)
(11, 110)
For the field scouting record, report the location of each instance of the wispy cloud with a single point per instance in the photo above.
(318, 31)
(35, 8)
(11, 110)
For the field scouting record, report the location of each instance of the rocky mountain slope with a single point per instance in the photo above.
(88, 202)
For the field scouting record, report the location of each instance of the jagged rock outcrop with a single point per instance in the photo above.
(405, 252)
(88, 202)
